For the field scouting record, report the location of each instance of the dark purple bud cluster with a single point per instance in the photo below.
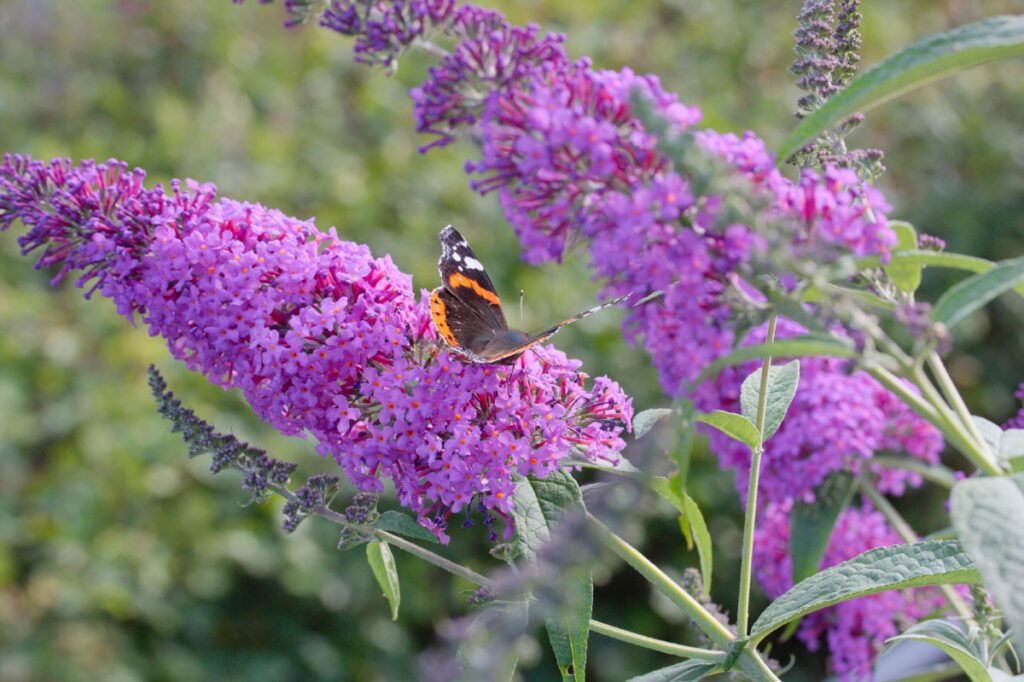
(262, 472)
(315, 495)
(930, 243)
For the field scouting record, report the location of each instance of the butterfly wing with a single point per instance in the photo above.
(464, 277)
(459, 325)
(508, 346)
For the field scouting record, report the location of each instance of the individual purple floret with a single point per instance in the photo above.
(320, 336)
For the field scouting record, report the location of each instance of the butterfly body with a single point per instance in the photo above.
(467, 313)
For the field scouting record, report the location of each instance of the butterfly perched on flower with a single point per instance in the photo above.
(467, 312)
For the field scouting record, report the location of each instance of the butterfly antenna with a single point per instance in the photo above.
(522, 295)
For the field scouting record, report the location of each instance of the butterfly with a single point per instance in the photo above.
(467, 312)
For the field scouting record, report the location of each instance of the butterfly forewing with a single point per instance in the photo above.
(464, 277)
(459, 326)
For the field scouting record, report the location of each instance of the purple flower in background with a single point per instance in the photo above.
(570, 159)
(855, 630)
(383, 30)
(320, 336)
(491, 55)
(1017, 422)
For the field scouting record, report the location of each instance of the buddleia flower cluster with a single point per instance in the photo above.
(321, 337)
(570, 158)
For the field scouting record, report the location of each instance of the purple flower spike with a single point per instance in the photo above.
(384, 30)
(320, 336)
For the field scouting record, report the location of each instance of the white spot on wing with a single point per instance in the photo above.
(473, 263)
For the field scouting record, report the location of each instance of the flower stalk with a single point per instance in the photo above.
(750, 517)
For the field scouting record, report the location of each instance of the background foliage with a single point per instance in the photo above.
(121, 560)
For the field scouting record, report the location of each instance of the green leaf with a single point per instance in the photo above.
(691, 521)
(782, 384)
(403, 524)
(733, 425)
(382, 563)
(988, 514)
(810, 525)
(1011, 449)
(1008, 446)
(645, 421)
(940, 259)
(811, 345)
(965, 297)
(569, 629)
(702, 538)
(816, 295)
(916, 65)
(906, 276)
(687, 671)
(934, 562)
(622, 466)
(539, 504)
(953, 641)
(990, 431)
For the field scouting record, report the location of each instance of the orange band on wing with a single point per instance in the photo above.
(437, 314)
(459, 280)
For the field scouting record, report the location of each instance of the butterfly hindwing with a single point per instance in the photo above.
(459, 326)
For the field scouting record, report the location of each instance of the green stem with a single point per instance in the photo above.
(953, 432)
(749, 661)
(936, 473)
(896, 520)
(956, 400)
(701, 617)
(750, 520)
(661, 645)
(392, 539)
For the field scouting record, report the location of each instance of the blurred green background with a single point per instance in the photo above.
(122, 560)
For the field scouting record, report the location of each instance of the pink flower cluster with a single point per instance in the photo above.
(320, 336)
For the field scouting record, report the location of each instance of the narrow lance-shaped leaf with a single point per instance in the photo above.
(645, 421)
(953, 641)
(923, 62)
(782, 384)
(403, 524)
(988, 514)
(965, 297)
(733, 425)
(935, 259)
(691, 522)
(811, 524)
(906, 276)
(382, 563)
(933, 562)
(687, 671)
(810, 345)
(539, 505)
(1008, 445)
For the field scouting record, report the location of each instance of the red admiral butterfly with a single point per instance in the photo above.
(467, 311)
